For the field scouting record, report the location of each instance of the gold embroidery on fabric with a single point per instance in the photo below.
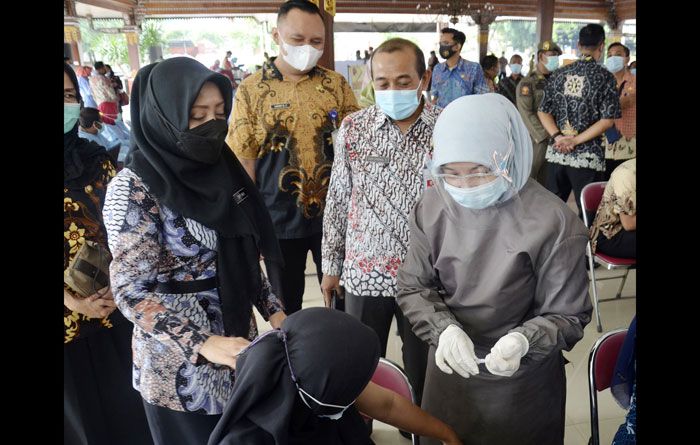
(71, 322)
(310, 191)
(568, 129)
(574, 85)
(75, 237)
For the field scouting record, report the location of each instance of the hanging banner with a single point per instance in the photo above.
(329, 6)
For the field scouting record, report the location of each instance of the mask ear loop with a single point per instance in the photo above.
(502, 163)
(303, 393)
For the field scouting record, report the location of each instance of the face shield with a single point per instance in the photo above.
(476, 185)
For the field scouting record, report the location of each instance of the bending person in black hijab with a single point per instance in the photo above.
(306, 383)
(186, 228)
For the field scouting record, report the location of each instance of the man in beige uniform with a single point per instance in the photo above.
(529, 94)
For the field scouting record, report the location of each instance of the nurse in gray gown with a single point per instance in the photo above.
(494, 281)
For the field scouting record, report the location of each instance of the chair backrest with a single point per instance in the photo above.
(605, 353)
(389, 375)
(591, 195)
(601, 365)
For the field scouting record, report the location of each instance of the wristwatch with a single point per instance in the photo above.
(553, 137)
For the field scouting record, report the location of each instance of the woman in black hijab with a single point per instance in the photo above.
(306, 383)
(186, 227)
(99, 406)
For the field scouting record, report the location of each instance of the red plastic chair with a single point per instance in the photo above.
(389, 375)
(601, 366)
(591, 195)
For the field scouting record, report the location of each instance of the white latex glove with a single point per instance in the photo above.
(505, 355)
(455, 350)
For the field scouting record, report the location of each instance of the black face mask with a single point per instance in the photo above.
(204, 142)
(446, 51)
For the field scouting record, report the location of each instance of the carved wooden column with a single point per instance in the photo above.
(615, 25)
(131, 31)
(132, 44)
(483, 17)
(483, 41)
(545, 19)
(71, 29)
(328, 58)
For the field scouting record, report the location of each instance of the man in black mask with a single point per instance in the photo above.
(455, 77)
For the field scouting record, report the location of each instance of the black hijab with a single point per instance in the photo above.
(82, 159)
(220, 196)
(333, 357)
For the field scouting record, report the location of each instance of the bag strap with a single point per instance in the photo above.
(91, 271)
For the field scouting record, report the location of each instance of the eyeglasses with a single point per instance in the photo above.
(468, 181)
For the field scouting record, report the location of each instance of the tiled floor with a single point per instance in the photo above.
(614, 314)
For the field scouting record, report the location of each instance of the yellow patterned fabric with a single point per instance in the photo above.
(620, 196)
(82, 220)
(287, 126)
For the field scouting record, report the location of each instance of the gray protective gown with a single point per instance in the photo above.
(516, 266)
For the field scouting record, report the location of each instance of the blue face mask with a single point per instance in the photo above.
(516, 68)
(552, 63)
(71, 113)
(397, 104)
(615, 63)
(479, 197)
(633, 71)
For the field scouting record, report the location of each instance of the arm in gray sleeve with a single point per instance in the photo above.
(562, 307)
(418, 286)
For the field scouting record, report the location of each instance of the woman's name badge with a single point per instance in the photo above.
(240, 196)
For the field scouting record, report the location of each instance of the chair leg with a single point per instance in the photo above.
(591, 269)
(622, 285)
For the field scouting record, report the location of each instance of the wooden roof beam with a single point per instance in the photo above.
(114, 5)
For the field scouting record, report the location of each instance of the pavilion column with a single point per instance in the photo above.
(545, 19)
(328, 58)
(131, 32)
(615, 25)
(71, 35)
(483, 40)
(483, 17)
(132, 44)
(615, 34)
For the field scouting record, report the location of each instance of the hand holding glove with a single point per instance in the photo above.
(455, 351)
(505, 355)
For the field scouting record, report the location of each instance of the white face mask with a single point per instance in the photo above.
(303, 394)
(302, 58)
